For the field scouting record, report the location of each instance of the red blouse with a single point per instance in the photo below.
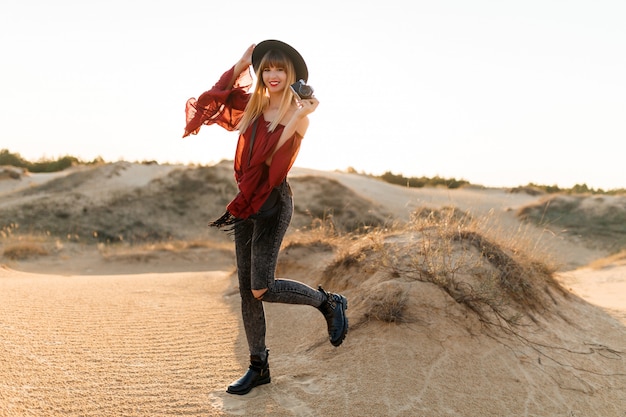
(255, 178)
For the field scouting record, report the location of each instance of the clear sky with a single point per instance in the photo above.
(496, 92)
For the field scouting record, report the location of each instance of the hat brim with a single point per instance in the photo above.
(302, 72)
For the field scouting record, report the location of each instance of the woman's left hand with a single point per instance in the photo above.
(307, 106)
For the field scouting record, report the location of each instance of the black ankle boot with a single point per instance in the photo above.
(258, 374)
(334, 311)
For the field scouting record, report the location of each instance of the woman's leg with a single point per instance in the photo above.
(258, 372)
(267, 238)
(251, 309)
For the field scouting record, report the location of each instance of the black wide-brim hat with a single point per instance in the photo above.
(302, 72)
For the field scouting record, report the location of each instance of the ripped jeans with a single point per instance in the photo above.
(257, 243)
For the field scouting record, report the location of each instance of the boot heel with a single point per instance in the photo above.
(257, 374)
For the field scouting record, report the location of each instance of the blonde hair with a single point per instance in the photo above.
(259, 98)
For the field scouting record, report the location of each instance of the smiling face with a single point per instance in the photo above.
(275, 79)
(277, 72)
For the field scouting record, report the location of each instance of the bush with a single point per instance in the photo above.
(24, 250)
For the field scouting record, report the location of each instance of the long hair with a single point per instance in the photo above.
(259, 98)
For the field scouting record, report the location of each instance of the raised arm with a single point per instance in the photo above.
(225, 102)
(243, 64)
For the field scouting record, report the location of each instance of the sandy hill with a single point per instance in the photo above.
(117, 300)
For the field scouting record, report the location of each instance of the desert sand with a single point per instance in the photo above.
(98, 329)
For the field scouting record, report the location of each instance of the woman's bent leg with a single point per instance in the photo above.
(268, 237)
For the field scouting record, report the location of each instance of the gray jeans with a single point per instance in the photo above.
(257, 243)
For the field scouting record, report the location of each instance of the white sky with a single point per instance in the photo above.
(497, 92)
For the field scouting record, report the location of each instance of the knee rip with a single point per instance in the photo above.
(258, 294)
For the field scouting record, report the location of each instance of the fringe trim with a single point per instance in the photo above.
(227, 219)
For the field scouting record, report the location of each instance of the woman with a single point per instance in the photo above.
(271, 121)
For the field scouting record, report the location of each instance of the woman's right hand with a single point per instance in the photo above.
(246, 59)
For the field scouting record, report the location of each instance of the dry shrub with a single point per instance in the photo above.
(315, 244)
(22, 250)
(497, 276)
(516, 276)
(320, 229)
(351, 266)
(425, 217)
(387, 302)
(17, 246)
(321, 236)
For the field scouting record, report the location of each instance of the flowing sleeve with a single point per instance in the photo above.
(220, 105)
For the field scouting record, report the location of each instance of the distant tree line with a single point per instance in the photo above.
(44, 165)
(420, 182)
(577, 189)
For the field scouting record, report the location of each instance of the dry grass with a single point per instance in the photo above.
(18, 247)
(147, 251)
(24, 250)
(389, 303)
(501, 278)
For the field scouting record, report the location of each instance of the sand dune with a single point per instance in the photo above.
(90, 330)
